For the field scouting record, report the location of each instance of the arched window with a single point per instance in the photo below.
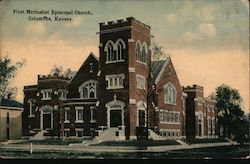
(92, 92)
(88, 90)
(119, 47)
(115, 52)
(32, 106)
(85, 91)
(141, 114)
(109, 49)
(110, 52)
(169, 94)
(141, 52)
(144, 53)
(119, 51)
(138, 51)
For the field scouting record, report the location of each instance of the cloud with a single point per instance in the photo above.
(204, 30)
(42, 55)
(207, 13)
(76, 22)
(246, 4)
(187, 8)
(207, 29)
(171, 18)
(37, 28)
(189, 36)
(212, 69)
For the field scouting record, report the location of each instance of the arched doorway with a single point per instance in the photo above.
(115, 113)
(141, 114)
(115, 116)
(46, 117)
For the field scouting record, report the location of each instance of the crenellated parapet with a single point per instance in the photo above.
(121, 23)
(53, 77)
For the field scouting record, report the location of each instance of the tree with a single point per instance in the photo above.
(147, 90)
(8, 72)
(241, 126)
(69, 73)
(158, 53)
(56, 70)
(230, 116)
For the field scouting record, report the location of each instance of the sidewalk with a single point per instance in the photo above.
(100, 149)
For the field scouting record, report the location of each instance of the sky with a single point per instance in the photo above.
(207, 40)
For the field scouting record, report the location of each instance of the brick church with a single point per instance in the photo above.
(122, 95)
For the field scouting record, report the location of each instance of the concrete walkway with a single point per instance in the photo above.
(100, 149)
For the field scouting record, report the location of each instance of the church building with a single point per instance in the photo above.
(121, 95)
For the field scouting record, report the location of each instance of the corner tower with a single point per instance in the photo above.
(125, 60)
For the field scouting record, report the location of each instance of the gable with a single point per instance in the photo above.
(168, 74)
(156, 67)
(83, 74)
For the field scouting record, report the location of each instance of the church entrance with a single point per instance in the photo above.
(46, 121)
(115, 118)
(115, 113)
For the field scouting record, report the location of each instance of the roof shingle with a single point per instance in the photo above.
(156, 67)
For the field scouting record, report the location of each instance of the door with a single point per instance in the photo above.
(142, 115)
(115, 118)
(200, 130)
(8, 134)
(46, 121)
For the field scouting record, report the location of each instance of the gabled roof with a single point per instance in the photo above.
(92, 54)
(157, 67)
(10, 103)
(82, 67)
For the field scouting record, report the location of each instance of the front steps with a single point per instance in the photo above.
(154, 136)
(110, 134)
(38, 136)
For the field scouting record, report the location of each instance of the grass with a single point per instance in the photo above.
(138, 143)
(51, 141)
(205, 140)
(223, 152)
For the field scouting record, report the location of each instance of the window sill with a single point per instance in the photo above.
(46, 99)
(141, 62)
(141, 126)
(174, 123)
(31, 116)
(170, 103)
(87, 98)
(116, 61)
(141, 88)
(79, 121)
(92, 121)
(115, 87)
(66, 121)
(49, 129)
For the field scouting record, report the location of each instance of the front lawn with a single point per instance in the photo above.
(51, 141)
(205, 140)
(138, 143)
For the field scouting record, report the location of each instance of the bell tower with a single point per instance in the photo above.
(124, 64)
